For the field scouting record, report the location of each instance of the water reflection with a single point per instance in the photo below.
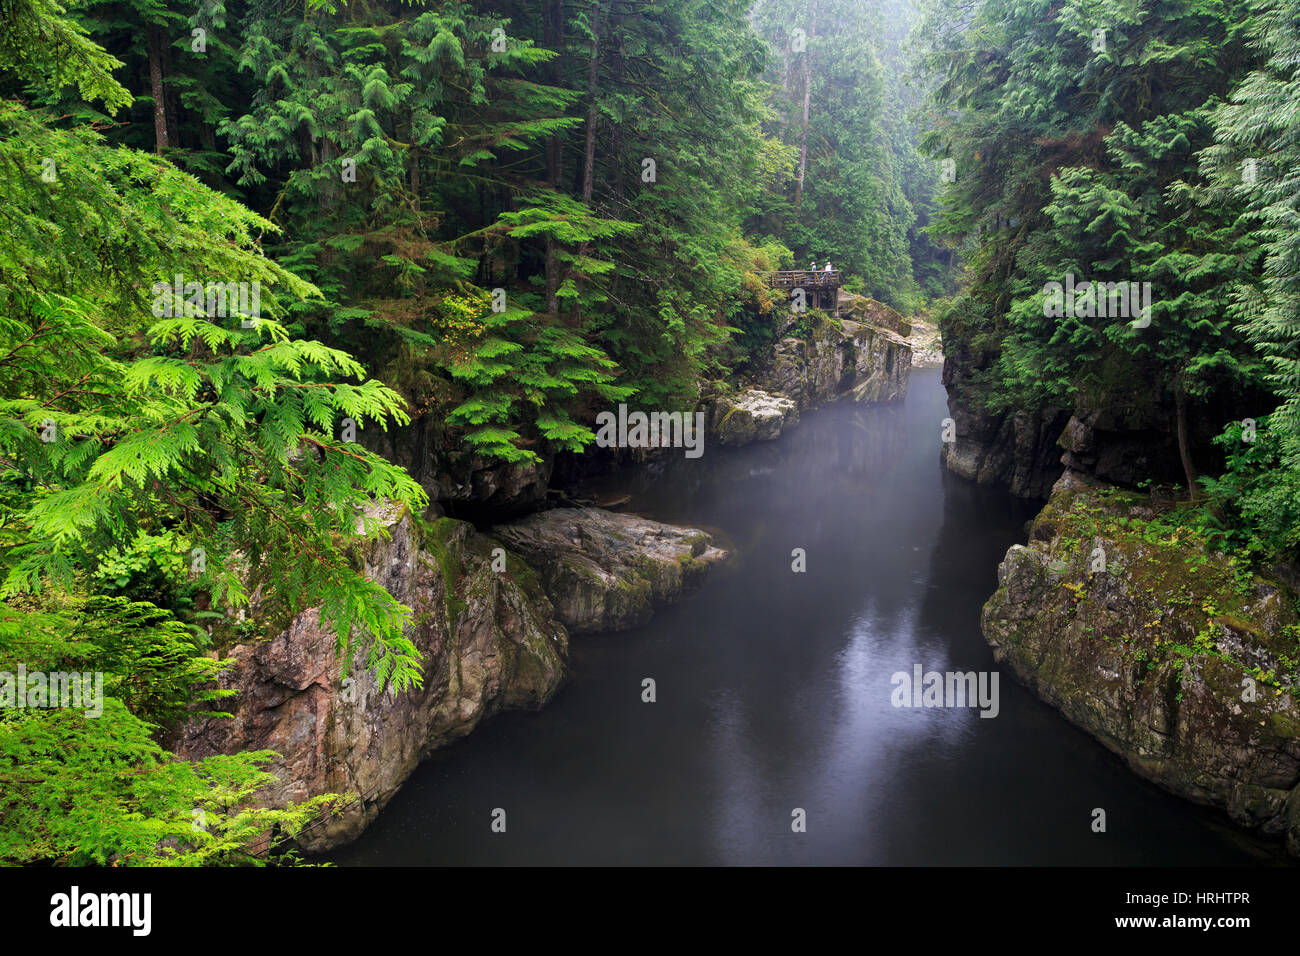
(774, 692)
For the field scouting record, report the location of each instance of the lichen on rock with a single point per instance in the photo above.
(1171, 655)
(753, 415)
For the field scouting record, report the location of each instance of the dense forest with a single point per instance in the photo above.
(1133, 143)
(497, 216)
(500, 218)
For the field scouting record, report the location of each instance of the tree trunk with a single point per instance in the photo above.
(414, 157)
(553, 39)
(785, 94)
(169, 96)
(589, 155)
(1180, 405)
(156, 84)
(803, 137)
(807, 100)
(614, 56)
(589, 151)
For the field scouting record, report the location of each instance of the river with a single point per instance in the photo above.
(773, 693)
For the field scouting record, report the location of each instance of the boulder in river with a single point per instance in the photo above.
(606, 571)
(753, 415)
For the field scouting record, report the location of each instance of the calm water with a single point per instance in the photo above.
(774, 693)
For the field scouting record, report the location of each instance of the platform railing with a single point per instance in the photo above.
(802, 278)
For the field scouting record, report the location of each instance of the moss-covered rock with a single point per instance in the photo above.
(489, 642)
(753, 415)
(1174, 657)
(864, 357)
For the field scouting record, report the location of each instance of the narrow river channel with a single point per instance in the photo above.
(773, 693)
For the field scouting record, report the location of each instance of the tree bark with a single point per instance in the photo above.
(589, 155)
(553, 38)
(156, 83)
(614, 55)
(589, 150)
(169, 96)
(784, 120)
(414, 155)
(1180, 406)
(807, 101)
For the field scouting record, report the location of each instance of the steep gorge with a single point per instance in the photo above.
(495, 603)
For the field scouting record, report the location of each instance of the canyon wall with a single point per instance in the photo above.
(1172, 656)
(491, 626)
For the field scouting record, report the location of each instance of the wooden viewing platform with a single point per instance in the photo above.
(822, 288)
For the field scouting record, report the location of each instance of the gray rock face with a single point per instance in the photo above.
(1162, 656)
(753, 415)
(461, 481)
(867, 311)
(605, 571)
(490, 640)
(1017, 449)
(1119, 435)
(1120, 446)
(868, 362)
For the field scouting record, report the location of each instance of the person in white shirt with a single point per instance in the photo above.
(828, 266)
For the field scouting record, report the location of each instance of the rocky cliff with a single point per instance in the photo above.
(1112, 431)
(1015, 449)
(865, 358)
(605, 571)
(490, 626)
(1171, 656)
(866, 361)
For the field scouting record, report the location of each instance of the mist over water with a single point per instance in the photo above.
(774, 693)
